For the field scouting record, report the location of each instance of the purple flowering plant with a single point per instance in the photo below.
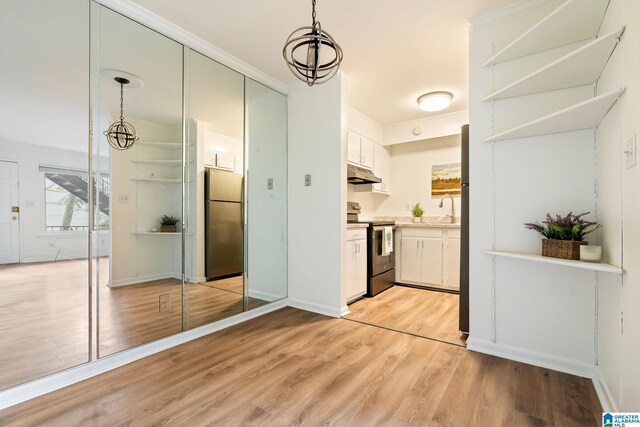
(570, 227)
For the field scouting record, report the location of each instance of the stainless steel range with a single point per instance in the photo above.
(381, 266)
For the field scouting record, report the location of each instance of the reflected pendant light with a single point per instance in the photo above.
(121, 135)
(312, 55)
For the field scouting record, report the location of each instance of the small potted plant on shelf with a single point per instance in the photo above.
(168, 223)
(564, 235)
(417, 213)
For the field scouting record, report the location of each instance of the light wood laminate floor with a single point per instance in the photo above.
(293, 367)
(423, 312)
(44, 316)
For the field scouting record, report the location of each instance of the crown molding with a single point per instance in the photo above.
(512, 11)
(157, 23)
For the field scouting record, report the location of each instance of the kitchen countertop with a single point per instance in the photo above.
(427, 225)
(356, 225)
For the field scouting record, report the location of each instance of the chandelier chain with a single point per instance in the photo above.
(313, 13)
(121, 102)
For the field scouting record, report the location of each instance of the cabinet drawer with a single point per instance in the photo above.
(453, 233)
(356, 234)
(421, 232)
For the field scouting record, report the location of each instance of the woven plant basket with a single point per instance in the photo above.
(173, 229)
(565, 249)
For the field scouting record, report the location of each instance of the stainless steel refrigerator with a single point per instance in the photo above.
(224, 231)
(464, 235)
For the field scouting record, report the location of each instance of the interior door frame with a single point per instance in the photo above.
(17, 163)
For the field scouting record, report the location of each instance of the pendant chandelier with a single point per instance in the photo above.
(303, 51)
(121, 135)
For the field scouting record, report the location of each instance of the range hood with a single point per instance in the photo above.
(358, 175)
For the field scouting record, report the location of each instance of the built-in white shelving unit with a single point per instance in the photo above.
(580, 67)
(595, 266)
(574, 21)
(584, 115)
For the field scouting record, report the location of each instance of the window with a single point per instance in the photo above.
(66, 198)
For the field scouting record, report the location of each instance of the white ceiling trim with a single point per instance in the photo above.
(179, 34)
(427, 128)
(509, 12)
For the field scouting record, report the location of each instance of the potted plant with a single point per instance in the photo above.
(563, 235)
(168, 223)
(417, 212)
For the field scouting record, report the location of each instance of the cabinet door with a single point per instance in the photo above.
(453, 263)
(351, 269)
(386, 170)
(360, 283)
(431, 261)
(411, 259)
(366, 153)
(353, 147)
(380, 155)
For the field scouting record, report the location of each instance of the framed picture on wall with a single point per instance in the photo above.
(445, 179)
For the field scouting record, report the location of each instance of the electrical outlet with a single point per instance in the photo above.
(307, 180)
(270, 184)
(164, 303)
(123, 198)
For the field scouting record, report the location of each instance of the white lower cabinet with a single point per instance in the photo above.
(356, 251)
(431, 256)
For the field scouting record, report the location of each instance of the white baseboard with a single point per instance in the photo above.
(141, 279)
(53, 259)
(196, 279)
(561, 364)
(315, 308)
(344, 311)
(44, 385)
(265, 296)
(604, 393)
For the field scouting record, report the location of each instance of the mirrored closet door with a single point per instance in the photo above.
(44, 188)
(137, 72)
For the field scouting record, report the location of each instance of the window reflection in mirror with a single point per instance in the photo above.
(44, 190)
(139, 265)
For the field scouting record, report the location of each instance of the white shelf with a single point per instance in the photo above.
(158, 144)
(580, 67)
(149, 233)
(584, 115)
(571, 22)
(172, 163)
(566, 262)
(161, 180)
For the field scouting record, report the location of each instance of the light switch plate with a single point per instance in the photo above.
(270, 184)
(123, 198)
(631, 152)
(307, 180)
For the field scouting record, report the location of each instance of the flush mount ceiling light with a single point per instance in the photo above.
(435, 101)
(312, 55)
(121, 135)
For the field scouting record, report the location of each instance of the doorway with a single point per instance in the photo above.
(9, 213)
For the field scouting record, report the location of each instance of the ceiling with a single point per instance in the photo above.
(394, 50)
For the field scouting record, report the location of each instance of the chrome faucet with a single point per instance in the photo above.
(451, 216)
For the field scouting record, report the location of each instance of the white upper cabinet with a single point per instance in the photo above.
(359, 150)
(381, 169)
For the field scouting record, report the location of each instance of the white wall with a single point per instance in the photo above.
(37, 244)
(540, 314)
(317, 214)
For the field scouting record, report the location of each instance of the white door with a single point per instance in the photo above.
(431, 261)
(9, 215)
(453, 263)
(366, 153)
(411, 259)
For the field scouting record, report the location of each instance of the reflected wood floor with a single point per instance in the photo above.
(44, 325)
(292, 367)
(423, 312)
